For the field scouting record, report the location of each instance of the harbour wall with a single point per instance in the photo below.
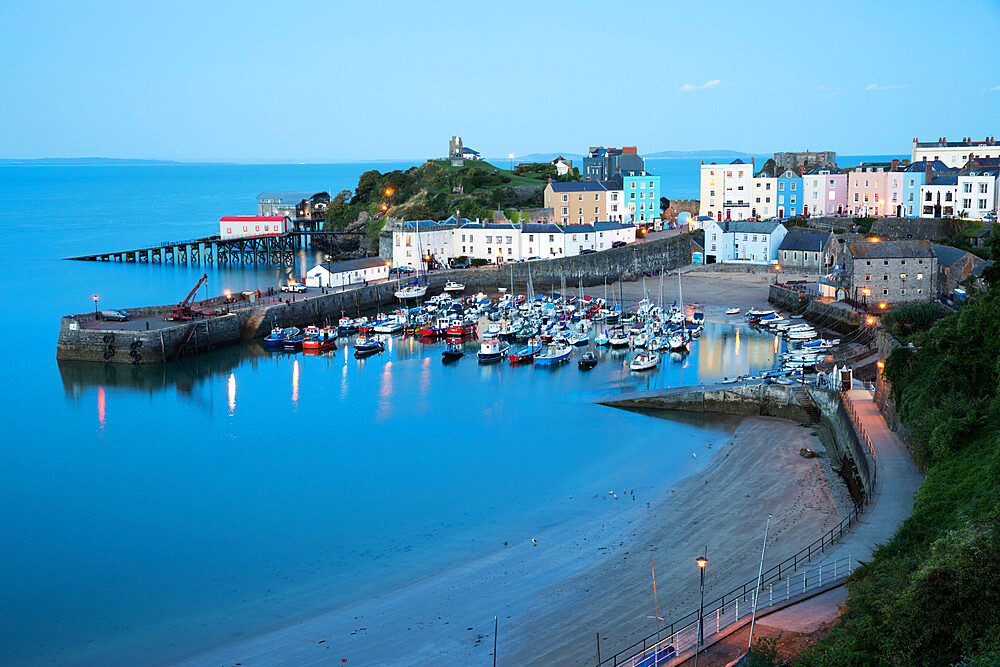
(835, 427)
(79, 342)
(815, 309)
(628, 263)
(769, 400)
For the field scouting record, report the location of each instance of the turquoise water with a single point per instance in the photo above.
(150, 513)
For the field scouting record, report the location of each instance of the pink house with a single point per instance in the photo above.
(876, 189)
(824, 192)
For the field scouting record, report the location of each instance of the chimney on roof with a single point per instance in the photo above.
(895, 163)
(927, 171)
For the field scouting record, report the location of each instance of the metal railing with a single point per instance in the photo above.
(652, 649)
(863, 434)
(718, 619)
(775, 573)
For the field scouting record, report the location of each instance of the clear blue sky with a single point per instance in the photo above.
(370, 80)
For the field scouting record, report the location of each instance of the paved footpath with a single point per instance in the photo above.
(892, 503)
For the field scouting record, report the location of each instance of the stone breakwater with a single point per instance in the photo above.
(80, 340)
(817, 408)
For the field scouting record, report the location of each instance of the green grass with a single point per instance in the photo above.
(481, 165)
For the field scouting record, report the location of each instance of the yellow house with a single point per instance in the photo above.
(582, 202)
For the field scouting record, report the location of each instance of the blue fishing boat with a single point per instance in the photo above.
(553, 355)
(527, 353)
(365, 345)
(278, 335)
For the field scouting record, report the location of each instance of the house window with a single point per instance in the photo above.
(510, 239)
(489, 250)
(781, 186)
(920, 276)
(565, 210)
(565, 198)
(885, 292)
(489, 239)
(868, 276)
(551, 238)
(531, 237)
(902, 276)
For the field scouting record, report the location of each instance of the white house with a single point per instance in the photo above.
(562, 165)
(764, 194)
(977, 192)
(240, 226)
(741, 241)
(939, 197)
(736, 190)
(351, 272)
(416, 239)
(496, 242)
(955, 154)
(609, 233)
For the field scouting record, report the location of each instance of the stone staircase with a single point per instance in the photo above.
(253, 323)
(803, 399)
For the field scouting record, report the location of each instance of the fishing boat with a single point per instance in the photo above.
(321, 339)
(492, 349)
(390, 325)
(365, 345)
(527, 353)
(553, 355)
(346, 326)
(455, 350)
(452, 286)
(294, 342)
(732, 311)
(587, 361)
(278, 335)
(578, 338)
(644, 361)
(463, 328)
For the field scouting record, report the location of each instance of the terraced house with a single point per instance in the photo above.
(584, 202)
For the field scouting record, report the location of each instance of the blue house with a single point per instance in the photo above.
(641, 191)
(913, 177)
(789, 194)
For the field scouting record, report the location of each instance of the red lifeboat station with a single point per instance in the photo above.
(241, 226)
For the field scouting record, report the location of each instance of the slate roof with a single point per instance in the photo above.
(541, 228)
(748, 226)
(944, 180)
(977, 270)
(607, 226)
(822, 169)
(578, 229)
(489, 225)
(891, 249)
(579, 186)
(936, 165)
(804, 241)
(949, 255)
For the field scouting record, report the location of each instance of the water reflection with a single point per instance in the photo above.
(232, 393)
(100, 408)
(295, 382)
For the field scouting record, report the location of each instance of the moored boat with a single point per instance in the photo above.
(455, 350)
(587, 361)
(553, 355)
(492, 349)
(365, 345)
(322, 339)
(644, 361)
(278, 336)
(527, 353)
(452, 286)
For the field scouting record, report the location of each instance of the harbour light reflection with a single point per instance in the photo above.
(385, 393)
(100, 407)
(737, 341)
(295, 382)
(231, 392)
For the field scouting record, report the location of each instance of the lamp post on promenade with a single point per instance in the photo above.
(95, 306)
(702, 562)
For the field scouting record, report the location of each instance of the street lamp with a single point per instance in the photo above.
(882, 306)
(510, 156)
(95, 306)
(702, 562)
(388, 192)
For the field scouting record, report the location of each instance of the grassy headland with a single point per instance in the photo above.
(931, 596)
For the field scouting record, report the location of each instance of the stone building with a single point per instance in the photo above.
(805, 159)
(954, 266)
(305, 209)
(892, 272)
(809, 252)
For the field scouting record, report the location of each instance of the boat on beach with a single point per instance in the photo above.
(732, 311)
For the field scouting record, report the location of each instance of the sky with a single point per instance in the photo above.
(339, 81)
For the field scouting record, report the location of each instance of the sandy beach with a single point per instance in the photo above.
(553, 595)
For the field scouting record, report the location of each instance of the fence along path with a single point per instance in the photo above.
(872, 522)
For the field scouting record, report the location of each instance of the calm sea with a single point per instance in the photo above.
(149, 513)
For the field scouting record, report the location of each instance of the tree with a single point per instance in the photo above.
(664, 204)
(335, 211)
(367, 184)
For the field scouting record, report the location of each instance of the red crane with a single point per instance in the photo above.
(182, 312)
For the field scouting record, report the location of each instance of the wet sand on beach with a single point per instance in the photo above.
(553, 595)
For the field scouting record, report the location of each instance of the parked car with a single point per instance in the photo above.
(588, 251)
(532, 259)
(618, 244)
(400, 270)
(293, 286)
(115, 315)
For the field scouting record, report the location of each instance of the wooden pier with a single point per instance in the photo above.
(278, 250)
